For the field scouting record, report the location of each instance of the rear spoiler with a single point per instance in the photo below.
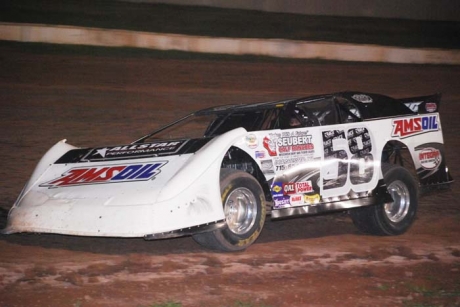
(423, 104)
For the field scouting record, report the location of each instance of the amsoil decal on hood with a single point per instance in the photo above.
(106, 174)
(430, 158)
(134, 151)
(406, 127)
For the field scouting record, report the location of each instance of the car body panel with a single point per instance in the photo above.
(329, 159)
(127, 206)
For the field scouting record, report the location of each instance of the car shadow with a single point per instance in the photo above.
(281, 230)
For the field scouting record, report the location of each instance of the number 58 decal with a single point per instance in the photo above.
(348, 162)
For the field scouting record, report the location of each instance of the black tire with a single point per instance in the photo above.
(245, 221)
(395, 217)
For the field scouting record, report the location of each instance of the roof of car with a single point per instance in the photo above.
(234, 108)
(370, 105)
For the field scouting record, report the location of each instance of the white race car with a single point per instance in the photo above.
(216, 174)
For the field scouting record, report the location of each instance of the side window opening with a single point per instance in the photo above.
(319, 113)
(348, 112)
(271, 119)
(251, 121)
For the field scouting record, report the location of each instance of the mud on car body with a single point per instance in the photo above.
(216, 174)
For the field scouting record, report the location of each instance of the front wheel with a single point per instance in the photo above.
(244, 207)
(391, 218)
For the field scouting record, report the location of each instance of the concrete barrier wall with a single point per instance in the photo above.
(405, 9)
(233, 46)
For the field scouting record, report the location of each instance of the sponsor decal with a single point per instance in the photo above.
(413, 106)
(430, 107)
(430, 158)
(286, 163)
(311, 199)
(281, 201)
(407, 127)
(362, 98)
(134, 150)
(106, 174)
(277, 189)
(270, 146)
(296, 200)
(292, 194)
(289, 143)
(251, 141)
(289, 148)
(260, 154)
(303, 187)
(288, 188)
(294, 143)
(267, 167)
(297, 187)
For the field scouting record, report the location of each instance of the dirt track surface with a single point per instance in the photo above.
(95, 100)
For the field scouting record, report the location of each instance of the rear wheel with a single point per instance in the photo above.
(244, 207)
(391, 218)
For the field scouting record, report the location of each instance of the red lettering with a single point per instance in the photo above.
(288, 188)
(90, 175)
(429, 155)
(284, 149)
(303, 187)
(108, 174)
(70, 178)
(398, 127)
(417, 124)
(408, 126)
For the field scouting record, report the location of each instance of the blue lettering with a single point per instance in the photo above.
(149, 172)
(434, 122)
(128, 171)
(425, 123)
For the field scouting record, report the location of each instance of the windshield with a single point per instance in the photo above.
(188, 127)
(212, 124)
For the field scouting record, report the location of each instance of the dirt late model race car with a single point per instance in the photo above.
(217, 173)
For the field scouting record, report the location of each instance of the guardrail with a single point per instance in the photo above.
(235, 46)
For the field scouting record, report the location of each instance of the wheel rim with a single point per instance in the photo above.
(240, 210)
(397, 210)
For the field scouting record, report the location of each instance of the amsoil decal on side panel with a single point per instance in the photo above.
(106, 174)
(407, 127)
(134, 151)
